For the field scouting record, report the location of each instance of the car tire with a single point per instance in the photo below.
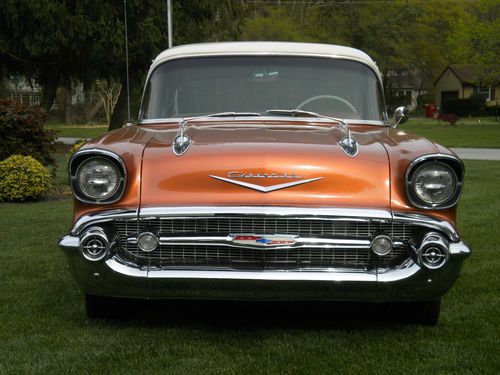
(98, 307)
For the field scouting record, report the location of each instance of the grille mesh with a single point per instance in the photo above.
(266, 258)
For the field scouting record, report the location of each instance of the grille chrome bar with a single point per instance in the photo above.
(325, 243)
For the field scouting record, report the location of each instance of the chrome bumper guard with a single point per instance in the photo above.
(410, 281)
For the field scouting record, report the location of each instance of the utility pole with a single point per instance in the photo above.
(169, 22)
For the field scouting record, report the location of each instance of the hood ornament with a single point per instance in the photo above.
(181, 141)
(349, 144)
(264, 189)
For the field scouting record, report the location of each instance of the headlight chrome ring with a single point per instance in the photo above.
(97, 176)
(434, 182)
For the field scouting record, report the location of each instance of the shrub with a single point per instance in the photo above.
(76, 146)
(22, 132)
(473, 106)
(23, 178)
(478, 102)
(450, 119)
(458, 107)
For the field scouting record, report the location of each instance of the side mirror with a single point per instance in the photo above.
(401, 115)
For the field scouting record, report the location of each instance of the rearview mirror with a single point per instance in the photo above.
(401, 115)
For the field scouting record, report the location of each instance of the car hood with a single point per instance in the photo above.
(264, 164)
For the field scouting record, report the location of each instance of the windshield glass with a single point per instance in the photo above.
(199, 86)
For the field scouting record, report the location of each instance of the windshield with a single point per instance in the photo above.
(199, 86)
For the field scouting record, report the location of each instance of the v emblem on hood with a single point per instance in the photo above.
(265, 189)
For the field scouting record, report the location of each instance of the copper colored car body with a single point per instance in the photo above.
(265, 202)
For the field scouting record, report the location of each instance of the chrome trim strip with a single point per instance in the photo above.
(299, 242)
(321, 213)
(175, 120)
(331, 275)
(69, 242)
(429, 222)
(373, 67)
(102, 217)
(459, 249)
(265, 189)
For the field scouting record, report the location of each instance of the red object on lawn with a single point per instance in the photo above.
(429, 110)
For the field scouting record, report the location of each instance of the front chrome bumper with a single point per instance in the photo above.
(410, 281)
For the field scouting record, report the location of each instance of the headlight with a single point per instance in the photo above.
(434, 183)
(97, 176)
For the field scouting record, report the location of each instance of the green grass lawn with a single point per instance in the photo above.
(475, 132)
(43, 328)
(77, 131)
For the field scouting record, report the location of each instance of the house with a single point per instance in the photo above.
(23, 89)
(406, 87)
(29, 91)
(457, 82)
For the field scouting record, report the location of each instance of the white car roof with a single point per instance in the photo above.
(264, 48)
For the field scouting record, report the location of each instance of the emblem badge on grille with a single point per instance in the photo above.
(263, 240)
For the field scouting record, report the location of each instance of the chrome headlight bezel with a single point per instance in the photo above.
(83, 156)
(453, 164)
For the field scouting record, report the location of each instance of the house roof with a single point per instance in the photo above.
(409, 79)
(465, 75)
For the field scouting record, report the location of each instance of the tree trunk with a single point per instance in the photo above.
(68, 104)
(49, 80)
(119, 116)
(90, 114)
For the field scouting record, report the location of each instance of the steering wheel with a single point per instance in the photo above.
(332, 97)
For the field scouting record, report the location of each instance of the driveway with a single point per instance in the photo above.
(478, 153)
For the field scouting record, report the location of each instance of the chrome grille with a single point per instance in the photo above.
(266, 225)
(266, 258)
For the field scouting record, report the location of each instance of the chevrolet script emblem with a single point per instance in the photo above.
(264, 189)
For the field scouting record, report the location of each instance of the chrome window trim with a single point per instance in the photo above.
(335, 214)
(439, 158)
(373, 68)
(249, 121)
(98, 152)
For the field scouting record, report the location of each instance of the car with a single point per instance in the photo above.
(265, 171)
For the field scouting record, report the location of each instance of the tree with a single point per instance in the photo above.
(475, 41)
(274, 24)
(57, 41)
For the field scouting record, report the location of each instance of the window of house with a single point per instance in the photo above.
(484, 90)
(405, 95)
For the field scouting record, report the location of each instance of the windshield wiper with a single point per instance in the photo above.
(348, 143)
(301, 113)
(223, 114)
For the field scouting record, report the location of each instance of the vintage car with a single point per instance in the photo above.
(265, 171)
